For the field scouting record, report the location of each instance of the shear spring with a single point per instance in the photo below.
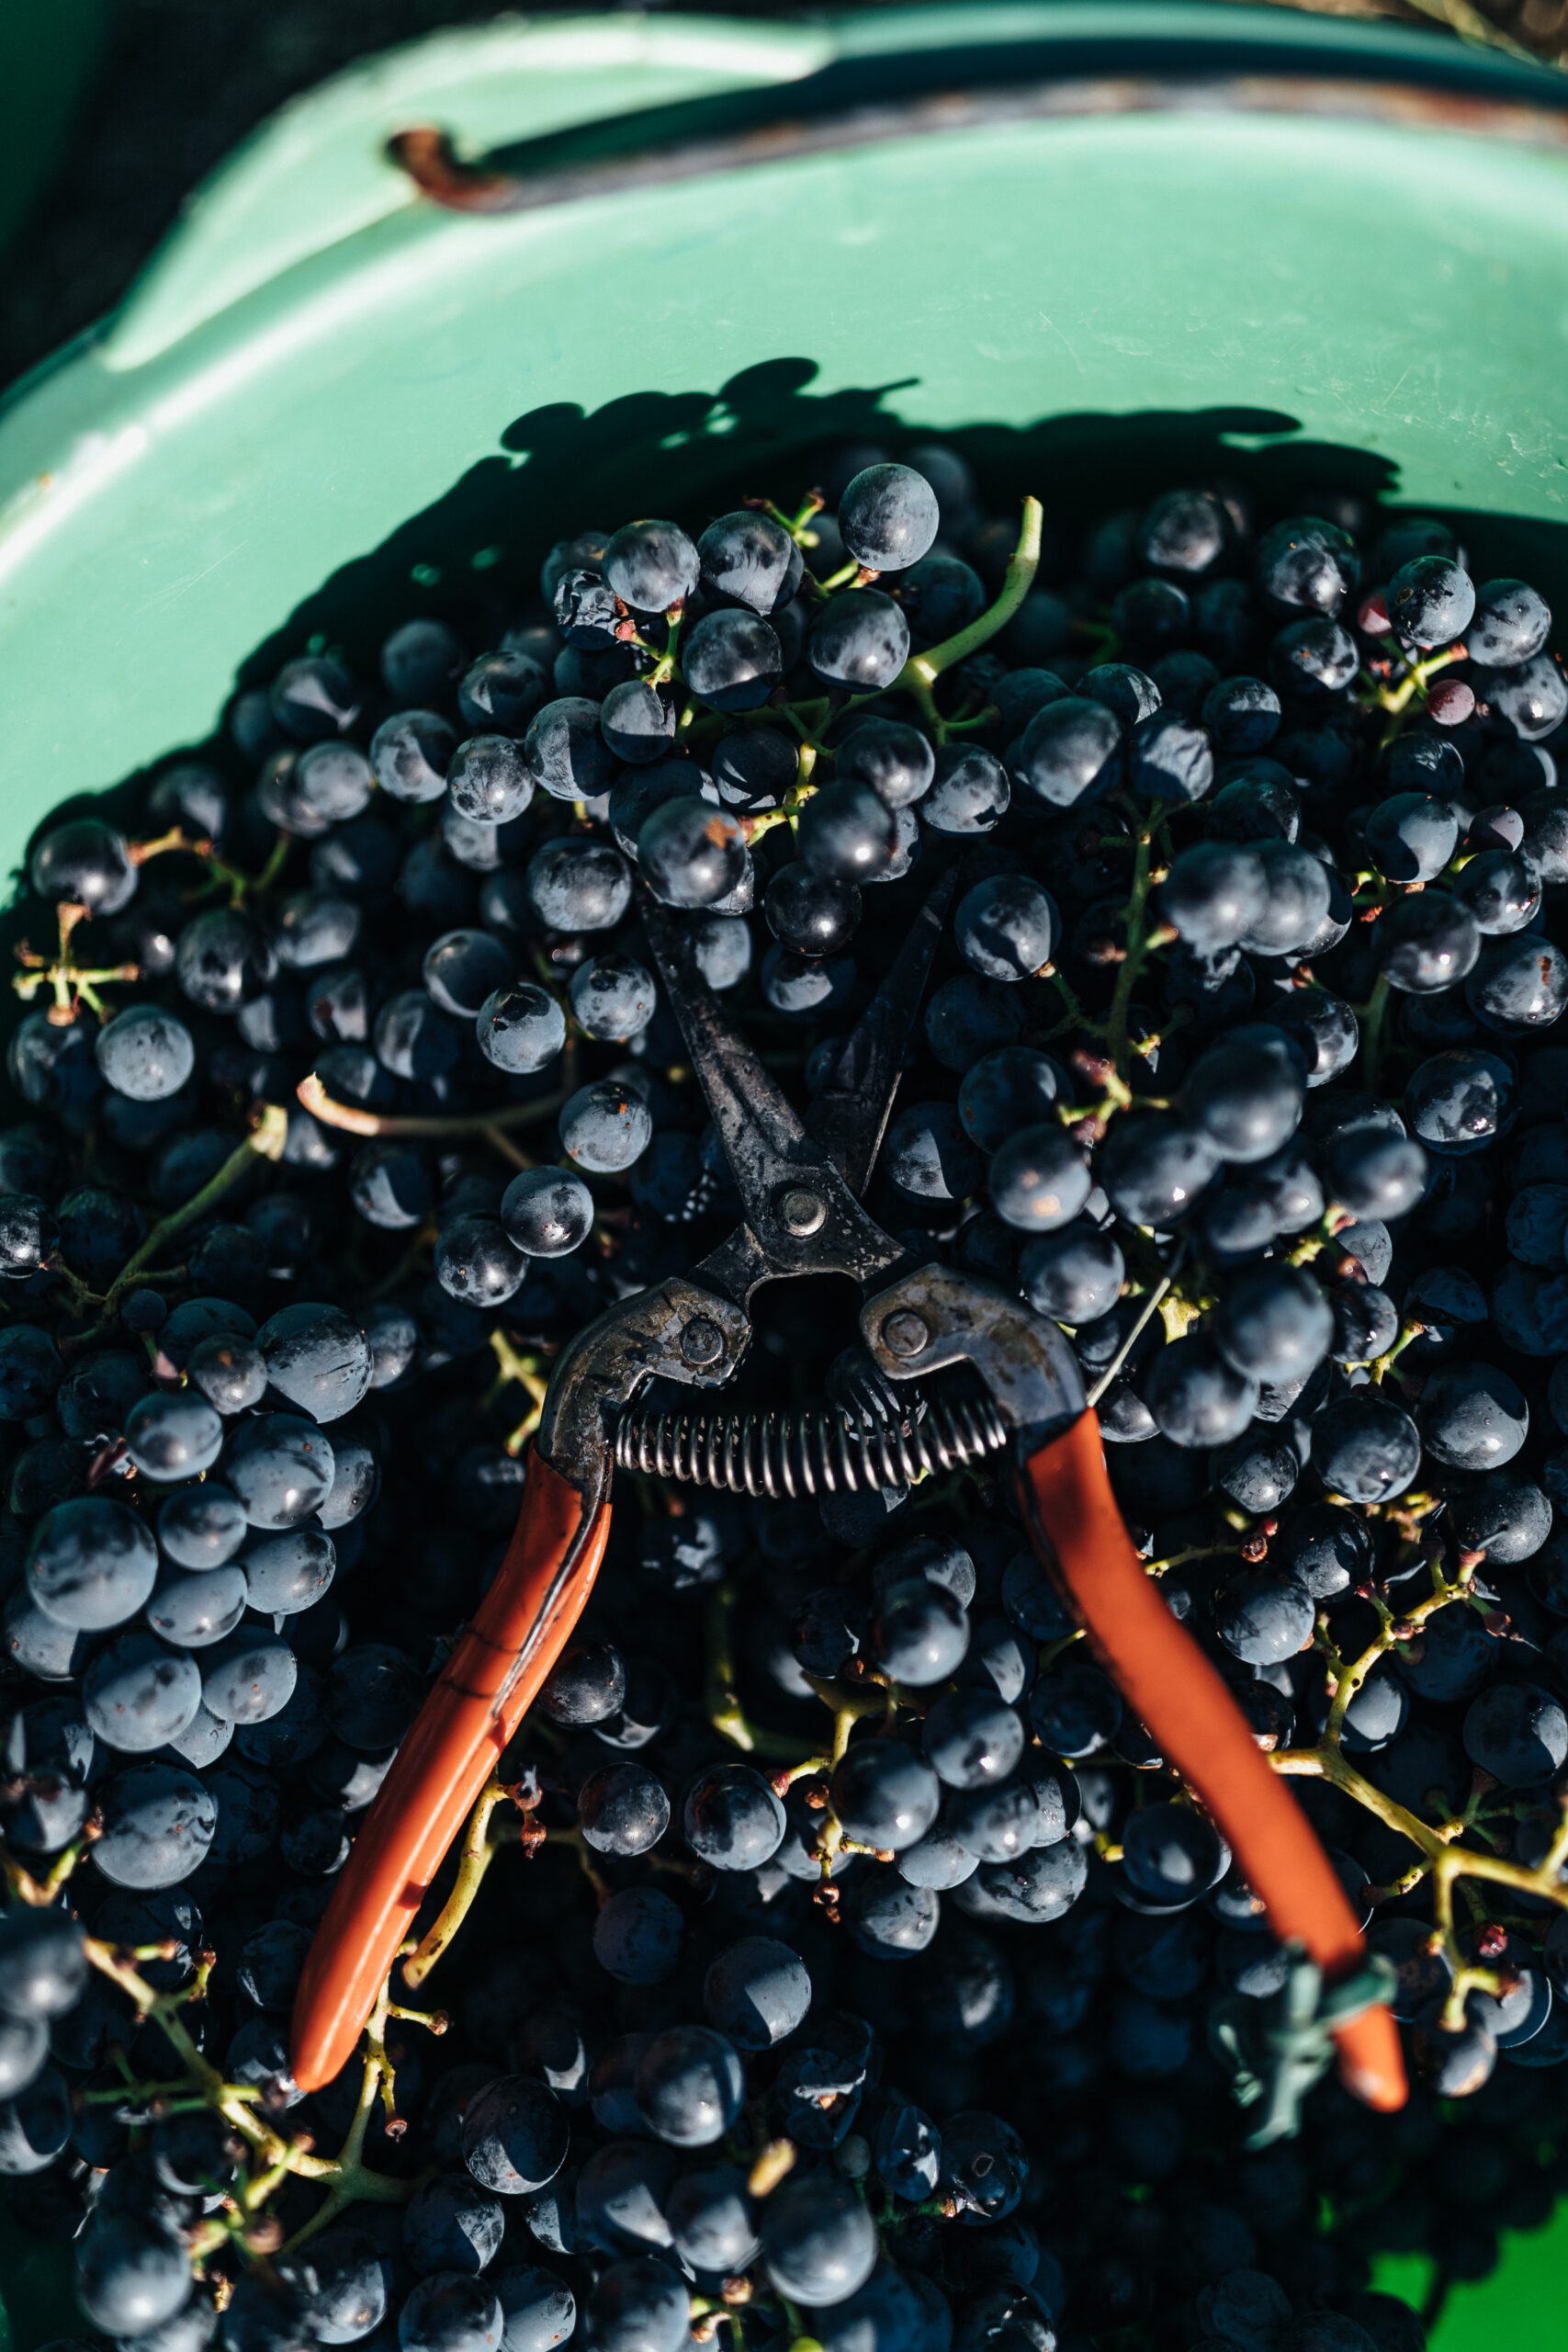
(809, 1452)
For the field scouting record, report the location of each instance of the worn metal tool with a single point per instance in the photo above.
(800, 1181)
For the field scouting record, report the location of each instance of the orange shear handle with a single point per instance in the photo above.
(1175, 1692)
(439, 1770)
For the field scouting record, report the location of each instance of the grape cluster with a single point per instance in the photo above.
(855, 1974)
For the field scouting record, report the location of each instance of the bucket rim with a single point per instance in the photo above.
(541, 97)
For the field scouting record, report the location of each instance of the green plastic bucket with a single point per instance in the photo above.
(1102, 245)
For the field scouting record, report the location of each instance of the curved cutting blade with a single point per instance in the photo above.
(799, 1180)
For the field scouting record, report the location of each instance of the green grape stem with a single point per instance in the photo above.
(487, 1125)
(922, 669)
(724, 1710)
(265, 1141)
(478, 1851)
(345, 2177)
(1442, 1858)
(1373, 1015)
(1152, 1305)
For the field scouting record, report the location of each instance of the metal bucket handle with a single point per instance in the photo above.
(574, 106)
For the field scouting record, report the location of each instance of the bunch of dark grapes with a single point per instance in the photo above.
(849, 1973)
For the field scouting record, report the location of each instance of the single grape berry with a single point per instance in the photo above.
(1510, 623)
(969, 793)
(1430, 600)
(476, 1260)
(547, 1212)
(1007, 926)
(888, 517)
(691, 854)
(86, 864)
(145, 1053)
(604, 1128)
(1068, 752)
(1039, 1180)
(861, 641)
(816, 915)
(1425, 943)
(1366, 1448)
(1306, 564)
(613, 997)
(29, 1232)
(488, 780)
(732, 660)
(747, 559)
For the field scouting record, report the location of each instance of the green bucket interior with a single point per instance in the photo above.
(1101, 245)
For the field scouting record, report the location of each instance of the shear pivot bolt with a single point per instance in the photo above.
(801, 1211)
(904, 1333)
(702, 1340)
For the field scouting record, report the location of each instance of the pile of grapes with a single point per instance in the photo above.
(833, 1962)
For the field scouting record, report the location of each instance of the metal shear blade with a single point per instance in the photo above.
(799, 1180)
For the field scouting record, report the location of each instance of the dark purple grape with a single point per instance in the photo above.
(1297, 903)
(1510, 624)
(1196, 1394)
(747, 559)
(1412, 836)
(691, 854)
(732, 660)
(1069, 751)
(1460, 1100)
(1474, 1417)
(501, 692)
(861, 641)
(1242, 714)
(1130, 694)
(1168, 760)
(1517, 985)
(1150, 616)
(1172, 1854)
(1215, 894)
(888, 517)
(1430, 600)
(969, 793)
(1306, 565)
(651, 565)
(815, 914)
(86, 864)
(1366, 1448)
(820, 2242)
(1154, 1167)
(1502, 888)
(895, 760)
(1531, 696)
(940, 595)
(1039, 1180)
(1426, 942)
(623, 1810)
(1246, 1095)
(1517, 1732)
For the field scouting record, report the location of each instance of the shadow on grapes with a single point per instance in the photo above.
(473, 556)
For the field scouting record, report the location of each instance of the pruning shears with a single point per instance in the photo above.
(800, 1180)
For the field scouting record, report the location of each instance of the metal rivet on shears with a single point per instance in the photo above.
(801, 1211)
(701, 1341)
(904, 1333)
